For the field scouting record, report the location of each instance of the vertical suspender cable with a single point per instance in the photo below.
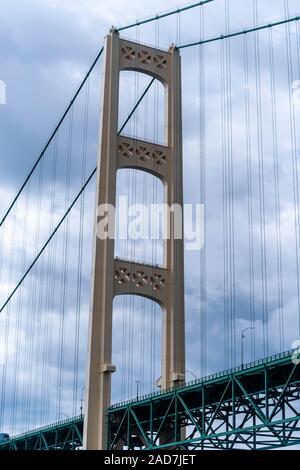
(64, 278)
(231, 228)
(19, 308)
(224, 201)
(49, 296)
(202, 148)
(277, 194)
(293, 153)
(80, 250)
(7, 340)
(298, 67)
(250, 195)
(39, 300)
(261, 184)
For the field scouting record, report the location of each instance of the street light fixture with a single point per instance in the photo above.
(242, 342)
(81, 399)
(137, 388)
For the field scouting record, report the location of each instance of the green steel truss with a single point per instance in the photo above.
(65, 435)
(254, 407)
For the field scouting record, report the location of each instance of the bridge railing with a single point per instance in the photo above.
(210, 377)
(48, 427)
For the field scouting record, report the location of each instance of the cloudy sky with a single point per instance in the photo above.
(229, 121)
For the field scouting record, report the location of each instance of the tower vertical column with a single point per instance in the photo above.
(173, 347)
(99, 367)
(111, 277)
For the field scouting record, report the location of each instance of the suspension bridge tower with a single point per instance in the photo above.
(112, 277)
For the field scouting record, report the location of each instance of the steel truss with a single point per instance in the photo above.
(254, 407)
(65, 435)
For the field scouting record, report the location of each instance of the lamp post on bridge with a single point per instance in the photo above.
(137, 388)
(242, 342)
(81, 399)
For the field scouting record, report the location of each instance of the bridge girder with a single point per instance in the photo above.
(254, 407)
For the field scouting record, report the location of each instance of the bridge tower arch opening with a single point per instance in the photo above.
(148, 118)
(111, 276)
(137, 334)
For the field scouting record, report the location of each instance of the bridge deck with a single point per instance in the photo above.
(256, 406)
